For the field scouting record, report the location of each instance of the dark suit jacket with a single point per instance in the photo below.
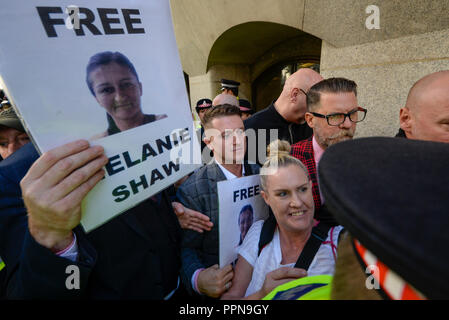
(269, 119)
(199, 192)
(136, 255)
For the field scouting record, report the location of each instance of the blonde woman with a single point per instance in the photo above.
(287, 189)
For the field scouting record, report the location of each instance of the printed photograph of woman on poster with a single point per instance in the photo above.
(245, 221)
(113, 81)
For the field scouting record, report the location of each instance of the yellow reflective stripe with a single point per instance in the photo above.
(2, 265)
(323, 293)
(320, 279)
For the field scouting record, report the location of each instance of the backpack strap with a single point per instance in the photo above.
(318, 236)
(267, 233)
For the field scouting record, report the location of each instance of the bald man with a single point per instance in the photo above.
(224, 98)
(426, 112)
(286, 115)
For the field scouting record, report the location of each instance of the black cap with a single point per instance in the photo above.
(229, 84)
(392, 195)
(245, 106)
(8, 118)
(203, 104)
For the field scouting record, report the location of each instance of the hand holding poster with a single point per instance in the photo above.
(108, 75)
(240, 205)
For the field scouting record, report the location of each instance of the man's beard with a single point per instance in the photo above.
(343, 135)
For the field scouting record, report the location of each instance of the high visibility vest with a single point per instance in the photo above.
(307, 288)
(2, 264)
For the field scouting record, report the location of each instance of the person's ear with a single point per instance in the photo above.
(294, 94)
(309, 119)
(405, 120)
(208, 141)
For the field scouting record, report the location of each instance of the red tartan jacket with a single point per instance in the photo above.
(303, 151)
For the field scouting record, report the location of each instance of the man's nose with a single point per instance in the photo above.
(13, 147)
(239, 138)
(347, 124)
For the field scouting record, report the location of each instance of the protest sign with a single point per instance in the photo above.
(240, 205)
(109, 73)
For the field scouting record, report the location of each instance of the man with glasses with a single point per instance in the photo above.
(332, 113)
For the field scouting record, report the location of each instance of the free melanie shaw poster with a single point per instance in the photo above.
(108, 72)
(240, 204)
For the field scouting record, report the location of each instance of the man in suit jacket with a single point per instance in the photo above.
(332, 113)
(225, 137)
(135, 255)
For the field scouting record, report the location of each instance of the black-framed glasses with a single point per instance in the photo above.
(336, 119)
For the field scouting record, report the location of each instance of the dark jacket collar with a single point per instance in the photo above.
(278, 118)
(268, 118)
(401, 134)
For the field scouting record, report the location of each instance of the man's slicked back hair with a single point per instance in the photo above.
(331, 85)
(222, 110)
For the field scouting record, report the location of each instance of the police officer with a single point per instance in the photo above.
(245, 108)
(202, 106)
(230, 87)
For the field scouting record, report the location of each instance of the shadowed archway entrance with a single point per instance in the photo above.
(262, 55)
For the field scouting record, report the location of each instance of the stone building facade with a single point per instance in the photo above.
(383, 45)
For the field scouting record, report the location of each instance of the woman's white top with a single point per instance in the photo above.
(270, 257)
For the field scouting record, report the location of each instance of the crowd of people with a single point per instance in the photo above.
(167, 247)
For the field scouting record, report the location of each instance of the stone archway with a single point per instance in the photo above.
(245, 51)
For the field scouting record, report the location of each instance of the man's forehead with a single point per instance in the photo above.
(6, 132)
(340, 101)
(231, 122)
